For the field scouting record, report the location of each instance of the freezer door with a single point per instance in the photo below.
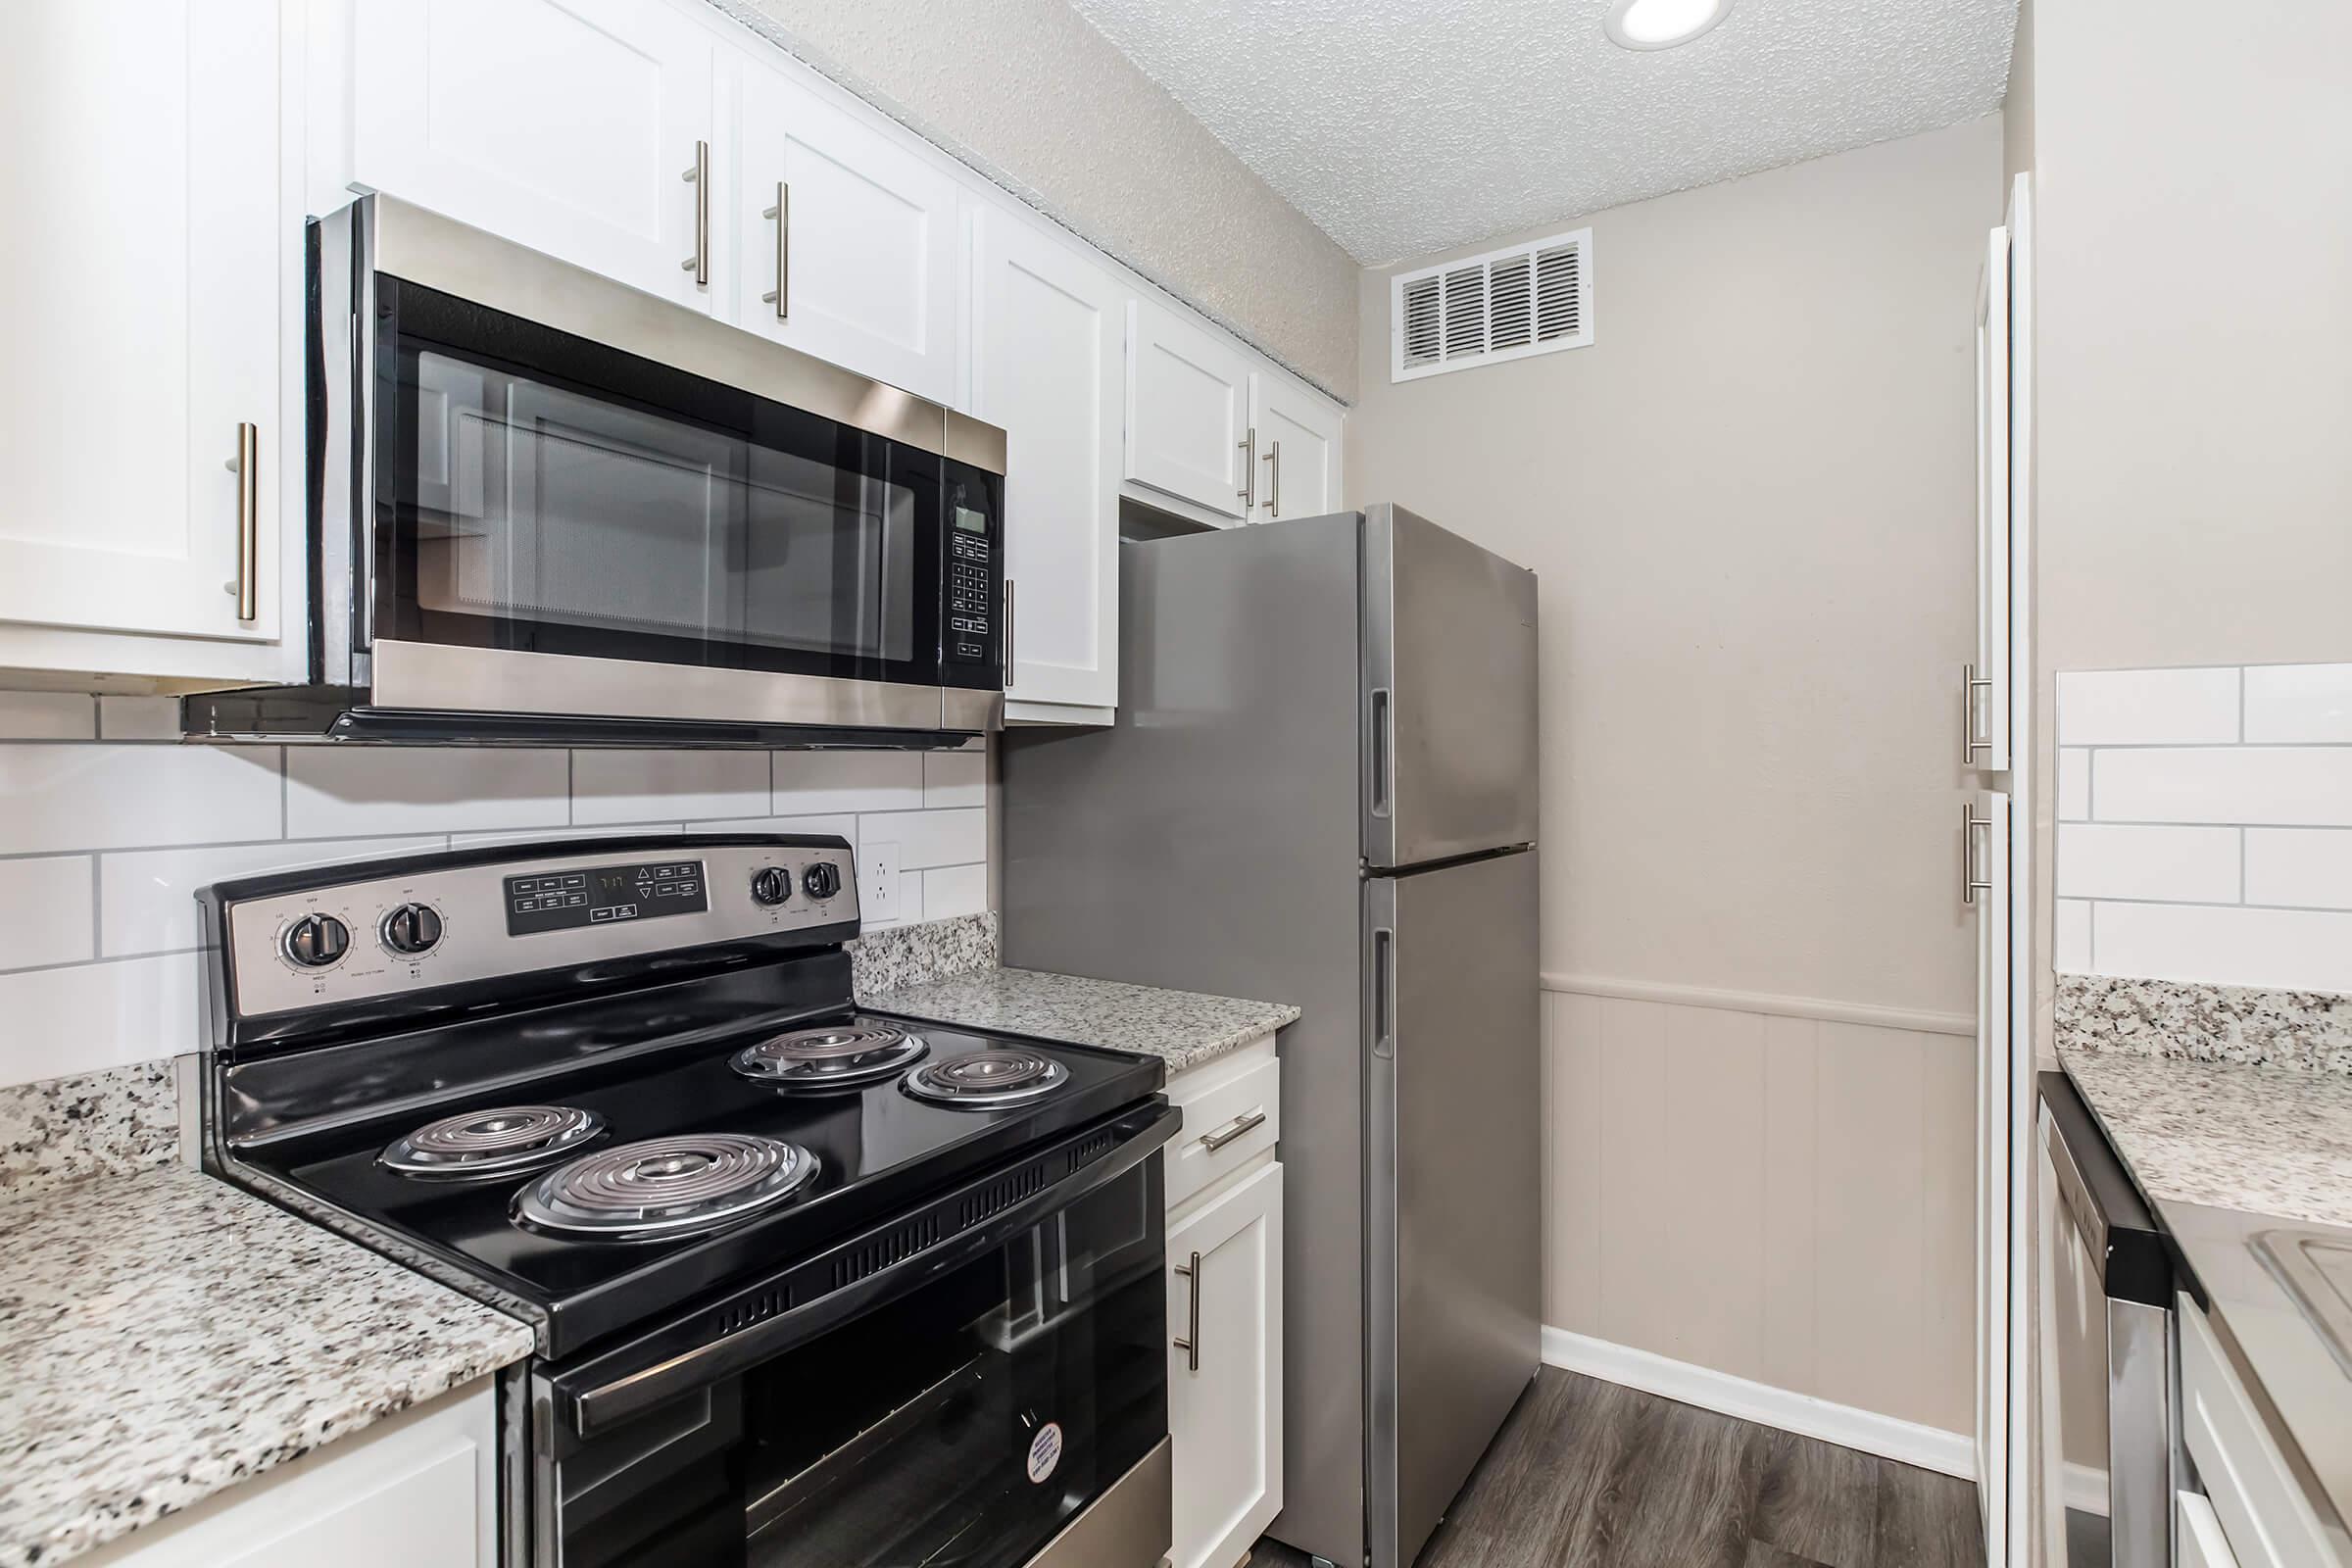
(1449, 694)
(1452, 1181)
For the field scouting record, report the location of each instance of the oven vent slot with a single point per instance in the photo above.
(742, 1314)
(884, 1251)
(998, 1196)
(1094, 1148)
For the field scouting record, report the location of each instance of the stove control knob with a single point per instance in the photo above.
(772, 884)
(823, 880)
(412, 929)
(315, 941)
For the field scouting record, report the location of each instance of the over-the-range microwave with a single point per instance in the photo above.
(548, 508)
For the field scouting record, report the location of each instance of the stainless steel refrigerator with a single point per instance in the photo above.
(1321, 789)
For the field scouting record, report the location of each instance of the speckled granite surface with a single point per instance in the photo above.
(163, 1335)
(929, 950)
(2194, 1023)
(1183, 1028)
(65, 1130)
(2265, 1140)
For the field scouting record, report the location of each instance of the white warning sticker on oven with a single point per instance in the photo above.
(1044, 1453)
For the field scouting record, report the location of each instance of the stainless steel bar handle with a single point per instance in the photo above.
(1274, 483)
(1190, 1345)
(1969, 821)
(1248, 489)
(1239, 1127)
(782, 296)
(1971, 684)
(1008, 625)
(247, 465)
(699, 177)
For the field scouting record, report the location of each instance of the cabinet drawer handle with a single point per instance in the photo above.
(1190, 1345)
(1970, 746)
(1969, 821)
(1274, 479)
(699, 177)
(1248, 489)
(1239, 1127)
(781, 298)
(247, 466)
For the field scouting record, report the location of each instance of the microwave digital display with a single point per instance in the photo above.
(970, 522)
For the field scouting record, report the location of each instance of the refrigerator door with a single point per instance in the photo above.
(1449, 694)
(1453, 1187)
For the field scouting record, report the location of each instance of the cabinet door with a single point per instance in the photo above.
(1987, 702)
(1225, 1379)
(1046, 368)
(1297, 450)
(140, 299)
(1188, 411)
(845, 241)
(567, 125)
(1984, 877)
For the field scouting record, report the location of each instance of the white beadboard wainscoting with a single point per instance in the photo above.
(1765, 1205)
(2205, 825)
(108, 825)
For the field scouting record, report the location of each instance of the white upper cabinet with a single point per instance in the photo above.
(567, 125)
(1188, 411)
(141, 303)
(1046, 333)
(846, 242)
(1297, 449)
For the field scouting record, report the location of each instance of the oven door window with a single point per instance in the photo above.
(964, 1424)
(542, 493)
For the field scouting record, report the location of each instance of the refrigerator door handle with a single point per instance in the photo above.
(1383, 993)
(1383, 747)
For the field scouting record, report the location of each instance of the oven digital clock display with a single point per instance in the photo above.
(604, 895)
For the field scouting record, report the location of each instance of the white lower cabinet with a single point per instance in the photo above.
(419, 1487)
(1225, 1310)
(2251, 1491)
(2197, 1538)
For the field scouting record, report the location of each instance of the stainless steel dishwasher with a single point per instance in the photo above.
(2107, 1363)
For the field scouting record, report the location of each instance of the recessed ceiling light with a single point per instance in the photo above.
(1662, 23)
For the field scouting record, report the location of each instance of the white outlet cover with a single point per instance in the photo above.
(878, 882)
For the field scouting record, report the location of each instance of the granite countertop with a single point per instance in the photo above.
(2274, 1140)
(1183, 1028)
(163, 1335)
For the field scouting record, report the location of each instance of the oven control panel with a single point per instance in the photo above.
(398, 927)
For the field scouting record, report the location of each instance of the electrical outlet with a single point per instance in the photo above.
(878, 882)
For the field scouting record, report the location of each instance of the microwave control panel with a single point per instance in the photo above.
(971, 587)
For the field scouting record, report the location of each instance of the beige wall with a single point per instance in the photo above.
(1031, 95)
(1750, 505)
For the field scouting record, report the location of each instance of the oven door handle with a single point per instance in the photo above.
(614, 1395)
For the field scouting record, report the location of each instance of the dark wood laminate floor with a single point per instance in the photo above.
(1591, 1475)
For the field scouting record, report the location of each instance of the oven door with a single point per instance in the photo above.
(996, 1397)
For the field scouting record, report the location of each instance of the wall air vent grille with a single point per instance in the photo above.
(1527, 299)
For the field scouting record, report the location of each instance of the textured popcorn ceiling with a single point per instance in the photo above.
(1405, 126)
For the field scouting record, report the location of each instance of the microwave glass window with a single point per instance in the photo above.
(538, 504)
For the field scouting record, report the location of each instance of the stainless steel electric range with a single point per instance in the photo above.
(812, 1286)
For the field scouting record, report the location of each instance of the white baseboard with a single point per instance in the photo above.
(1907, 1442)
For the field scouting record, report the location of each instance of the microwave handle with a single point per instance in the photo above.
(617, 1398)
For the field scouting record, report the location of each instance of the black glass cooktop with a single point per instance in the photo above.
(877, 1149)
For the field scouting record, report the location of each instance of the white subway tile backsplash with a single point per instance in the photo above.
(2074, 783)
(2288, 950)
(147, 899)
(2308, 869)
(85, 1017)
(811, 783)
(533, 835)
(2147, 706)
(928, 838)
(2267, 785)
(339, 791)
(138, 718)
(46, 716)
(952, 890)
(2192, 864)
(2070, 944)
(841, 824)
(2310, 704)
(45, 911)
(955, 778)
(628, 786)
(65, 798)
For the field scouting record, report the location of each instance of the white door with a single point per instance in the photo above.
(1225, 1375)
(1986, 709)
(567, 125)
(139, 304)
(1046, 368)
(1188, 412)
(1297, 449)
(1985, 889)
(846, 242)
